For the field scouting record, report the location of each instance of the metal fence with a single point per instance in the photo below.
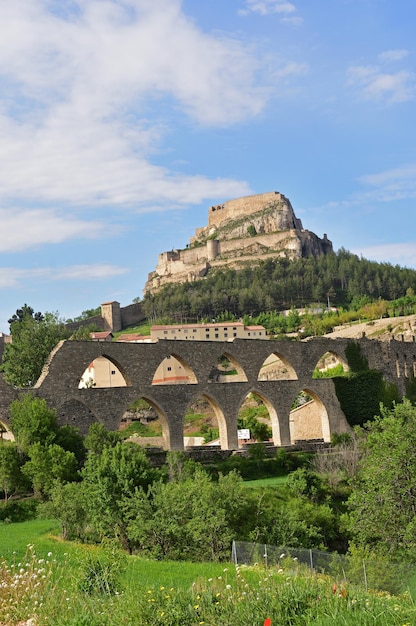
(371, 573)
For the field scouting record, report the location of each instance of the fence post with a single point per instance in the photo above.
(365, 577)
(311, 558)
(265, 555)
(234, 554)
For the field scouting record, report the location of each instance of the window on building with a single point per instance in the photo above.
(165, 332)
(216, 335)
(113, 372)
(169, 356)
(225, 334)
(169, 369)
(234, 334)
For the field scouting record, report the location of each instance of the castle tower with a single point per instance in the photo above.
(110, 312)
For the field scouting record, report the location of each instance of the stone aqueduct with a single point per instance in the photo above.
(58, 384)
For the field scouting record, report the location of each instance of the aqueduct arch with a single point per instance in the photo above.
(59, 381)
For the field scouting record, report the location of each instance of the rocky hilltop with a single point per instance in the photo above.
(240, 231)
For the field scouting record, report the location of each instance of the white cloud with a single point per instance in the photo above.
(75, 89)
(13, 277)
(374, 84)
(29, 228)
(393, 55)
(267, 7)
(395, 253)
(395, 184)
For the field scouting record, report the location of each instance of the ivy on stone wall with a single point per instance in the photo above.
(361, 392)
(356, 360)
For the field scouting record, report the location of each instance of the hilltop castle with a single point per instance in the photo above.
(248, 229)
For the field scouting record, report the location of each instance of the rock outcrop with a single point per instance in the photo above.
(240, 231)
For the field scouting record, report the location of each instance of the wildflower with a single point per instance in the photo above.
(49, 554)
(334, 588)
(228, 586)
(267, 622)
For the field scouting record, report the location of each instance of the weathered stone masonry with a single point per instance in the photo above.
(138, 362)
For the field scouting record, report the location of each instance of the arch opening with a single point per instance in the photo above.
(103, 372)
(204, 423)
(330, 365)
(173, 370)
(257, 420)
(227, 370)
(145, 423)
(276, 367)
(308, 419)
(5, 432)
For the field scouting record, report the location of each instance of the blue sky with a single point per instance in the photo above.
(122, 121)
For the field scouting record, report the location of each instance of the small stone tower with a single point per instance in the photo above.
(110, 312)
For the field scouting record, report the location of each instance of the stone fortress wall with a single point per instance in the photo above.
(232, 209)
(227, 241)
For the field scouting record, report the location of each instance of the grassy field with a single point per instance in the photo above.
(67, 584)
(274, 481)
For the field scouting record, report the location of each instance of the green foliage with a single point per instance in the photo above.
(33, 340)
(83, 333)
(360, 395)
(192, 518)
(11, 478)
(47, 465)
(67, 504)
(32, 421)
(70, 439)
(383, 501)
(12, 511)
(331, 372)
(88, 313)
(251, 230)
(356, 360)
(306, 483)
(99, 438)
(110, 480)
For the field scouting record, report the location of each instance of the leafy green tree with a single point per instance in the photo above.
(69, 506)
(383, 502)
(70, 439)
(110, 480)
(11, 478)
(99, 438)
(33, 338)
(193, 518)
(47, 465)
(31, 421)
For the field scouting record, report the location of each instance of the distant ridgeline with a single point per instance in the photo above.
(241, 231)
